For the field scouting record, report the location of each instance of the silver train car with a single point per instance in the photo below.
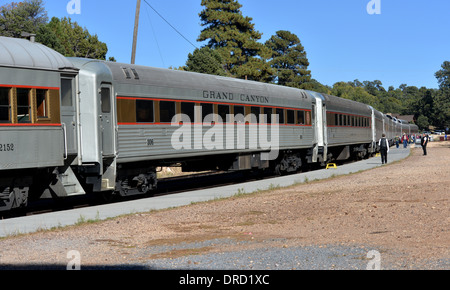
(72, 126)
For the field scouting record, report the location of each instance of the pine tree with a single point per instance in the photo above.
(205, 60)
(235, 38)
(27, 16)
(289, 59)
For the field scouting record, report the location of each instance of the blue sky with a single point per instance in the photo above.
(406, 43)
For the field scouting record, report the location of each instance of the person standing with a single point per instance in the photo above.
(405, 140)
(424, 143)
(384, 148)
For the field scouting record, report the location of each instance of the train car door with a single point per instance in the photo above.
(68, 114)
(106, 122)
(319, 114)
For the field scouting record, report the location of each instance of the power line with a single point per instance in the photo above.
(176, 30)
(156, 39)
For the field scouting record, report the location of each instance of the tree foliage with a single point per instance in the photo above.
(443, 75)
(27, 16)
(205, 60)
(288, 59)
(235, 38)
(70, 39)
(63, 35)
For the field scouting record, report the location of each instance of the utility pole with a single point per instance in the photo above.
(135, 35)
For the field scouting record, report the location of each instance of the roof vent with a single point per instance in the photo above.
(30, 36)
(136, 75)
(126, 72)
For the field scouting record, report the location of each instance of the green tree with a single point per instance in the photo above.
(70, 39)
(441, 100)
(358, 94)
(235, 38)
(422, 122)
(288, 59)
(315, 86)
(443, 75)
(441, 104)
(27, 16)
(205, 60)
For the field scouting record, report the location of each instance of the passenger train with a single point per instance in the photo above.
(72, 126)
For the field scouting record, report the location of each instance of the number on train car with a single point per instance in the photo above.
(6, 147)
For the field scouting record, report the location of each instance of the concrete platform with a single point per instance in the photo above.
(31, 224)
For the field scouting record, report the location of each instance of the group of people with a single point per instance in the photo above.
(405, 140)
(384, 145)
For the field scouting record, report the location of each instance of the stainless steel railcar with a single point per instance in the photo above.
(36, 128)
(123, 150)
(71, 126)
(350, 128)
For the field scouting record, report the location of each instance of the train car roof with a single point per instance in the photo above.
(15, 52)
(143, 75)
(346, 106)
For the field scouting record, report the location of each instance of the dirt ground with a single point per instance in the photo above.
(402, 207)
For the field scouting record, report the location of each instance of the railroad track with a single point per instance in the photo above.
(166, 186)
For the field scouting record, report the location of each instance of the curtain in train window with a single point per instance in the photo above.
(5, 105)
(23, 106)
(42, 104)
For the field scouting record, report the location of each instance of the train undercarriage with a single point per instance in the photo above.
(21, 187)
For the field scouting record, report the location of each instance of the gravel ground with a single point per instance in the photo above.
(401, 211)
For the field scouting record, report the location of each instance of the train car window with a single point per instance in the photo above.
(267, 112)
(42, 103)
(66, 92)
(239, 114)
(106, 100)
(256, 111)
(301, 117)
(189, 110)
(290, 117)
(5, 105)
(23, 106)
(145, 112)
(280, 113)
(223, 112)
(207, 109)
(166, 111)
